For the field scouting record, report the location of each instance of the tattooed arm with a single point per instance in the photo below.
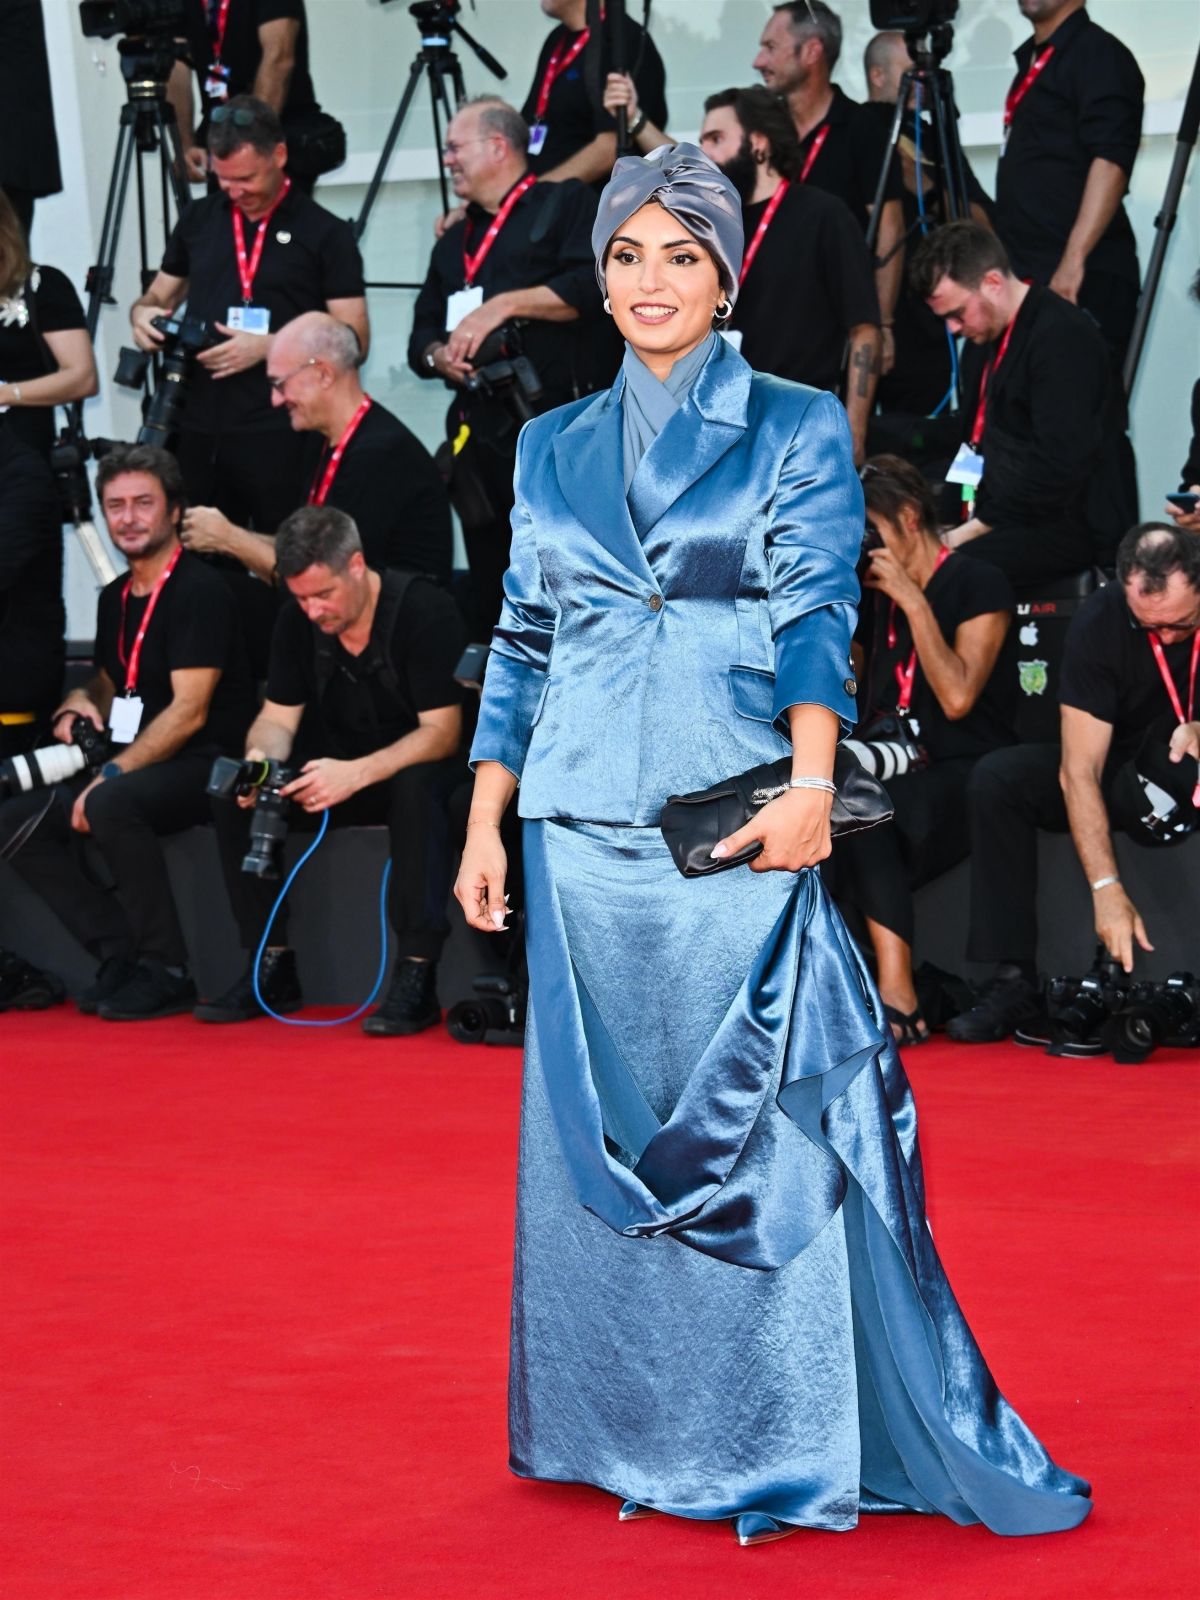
(862, 375)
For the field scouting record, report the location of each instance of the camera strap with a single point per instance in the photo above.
(1172, 692)
(814, 150)
(906, 675)
(472, 263)
(333, 460)
(248, 267)
(985, 384)
(135, 654)
(765, 221)
(377, 658)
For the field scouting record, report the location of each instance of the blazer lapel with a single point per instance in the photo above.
(710, 421)
(587, 461)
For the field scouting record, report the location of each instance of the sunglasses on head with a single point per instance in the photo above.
(238, 115)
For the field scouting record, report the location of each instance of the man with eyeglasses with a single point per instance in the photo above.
(518, 265)
(247, 261)
(1130, 761)
(364, 461)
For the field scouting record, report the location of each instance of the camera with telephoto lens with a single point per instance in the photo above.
(503, 372)
(912, 16)
(183, 340)
(495, 1011)
(1153, 1014)
(889, 747)
(231, 780)
(56, 763)
(154, 19)
(1079, 1008)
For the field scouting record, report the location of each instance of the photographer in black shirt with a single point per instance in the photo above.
(511, 275)
(32, 617)
(368, 464)
(1042, 414)
(939, 657)
(1130, 748)
(373, 655)
(172, 689)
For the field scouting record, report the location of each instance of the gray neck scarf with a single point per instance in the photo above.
(649, 405)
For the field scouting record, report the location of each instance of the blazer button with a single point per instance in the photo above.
(655, 602)
(850, 686)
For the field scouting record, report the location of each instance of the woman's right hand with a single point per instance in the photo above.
(479, 888)
(619, 91)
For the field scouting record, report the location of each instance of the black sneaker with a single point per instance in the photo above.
(24, 988)
(1035, 1034)
(111, 976)
(1002, 1007)
(278, 983)
(151, 992)
(412, 1003)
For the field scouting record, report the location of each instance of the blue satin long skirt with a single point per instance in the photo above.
(726, 1296)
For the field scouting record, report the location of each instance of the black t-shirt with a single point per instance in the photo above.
(357, 713)
(1085, 104)
(809, 284)
(194, 624)
(851, 156)
(388, 483)
(957, 591)
(573, 118)
(1109, 671)
(46, 304)
(241, 48)
(1054, 420)
(32, 618)
(1191, 467)
(308, 259)
(547, 240)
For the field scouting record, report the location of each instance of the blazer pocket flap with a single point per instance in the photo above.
(753, 692)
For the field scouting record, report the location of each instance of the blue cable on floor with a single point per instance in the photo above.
(331, 1022)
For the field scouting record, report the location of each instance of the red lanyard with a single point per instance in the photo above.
(217, 28)
(1020, 90)
(472, 263)
(905, 675)
(1173, 692)
(248, 270)
(555, 67)
(985, 384)
(316, 495)
(773, 205)
(814, 150)
(135, 655)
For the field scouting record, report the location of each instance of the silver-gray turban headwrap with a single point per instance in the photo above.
(688, 185)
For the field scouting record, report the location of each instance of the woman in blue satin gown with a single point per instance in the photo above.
(727, 1302)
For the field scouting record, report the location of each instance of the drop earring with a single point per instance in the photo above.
(608, 305)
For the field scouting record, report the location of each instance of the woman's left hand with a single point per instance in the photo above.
(887, 575)
(792, 829)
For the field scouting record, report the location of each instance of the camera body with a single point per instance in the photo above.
(183, 340)
(503, 372)
(55, 763)
(1079, 1009)
(912, 16)
(231, 779)
(104, 19)
(1153, 1014)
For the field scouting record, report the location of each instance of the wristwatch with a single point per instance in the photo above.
(110, 769)
(430, 352)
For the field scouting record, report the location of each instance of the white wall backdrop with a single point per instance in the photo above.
(361, 53)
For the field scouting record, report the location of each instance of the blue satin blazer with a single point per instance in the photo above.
(652, 646)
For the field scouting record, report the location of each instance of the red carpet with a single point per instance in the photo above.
(254, 1311)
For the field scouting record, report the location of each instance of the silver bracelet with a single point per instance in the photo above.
(1103, 883)
(813, 783)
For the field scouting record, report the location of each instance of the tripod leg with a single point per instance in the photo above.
(170, 147)
(389, 144)
(889, 157)
(440, 105)
(100, 276)
(956, 206)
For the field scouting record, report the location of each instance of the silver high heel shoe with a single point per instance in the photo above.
(755, 1527)
(631, 1511)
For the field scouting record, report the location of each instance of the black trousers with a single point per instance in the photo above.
(111, 889)
(1033, 555)
(878, 869)
(1011, 794)
(413, 805)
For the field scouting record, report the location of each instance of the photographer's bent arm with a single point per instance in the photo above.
(165, 295)
(74, 379)
(328, 782)
(1085, 746)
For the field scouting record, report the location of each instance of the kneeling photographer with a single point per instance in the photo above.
(940, 691)
(370, 658)
(171, 690)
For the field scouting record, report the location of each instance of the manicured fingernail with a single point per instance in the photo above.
(498, 917)
(719, 852)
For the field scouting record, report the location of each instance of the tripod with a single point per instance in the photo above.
(147, 126)
(436, 60)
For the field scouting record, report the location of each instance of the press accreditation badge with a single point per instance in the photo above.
(537, 138)
(966, 468)
(125, 719)
(460, 304)
(249, 319)
(732, 336)
(216, 84)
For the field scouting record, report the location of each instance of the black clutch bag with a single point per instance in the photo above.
(693, 823)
